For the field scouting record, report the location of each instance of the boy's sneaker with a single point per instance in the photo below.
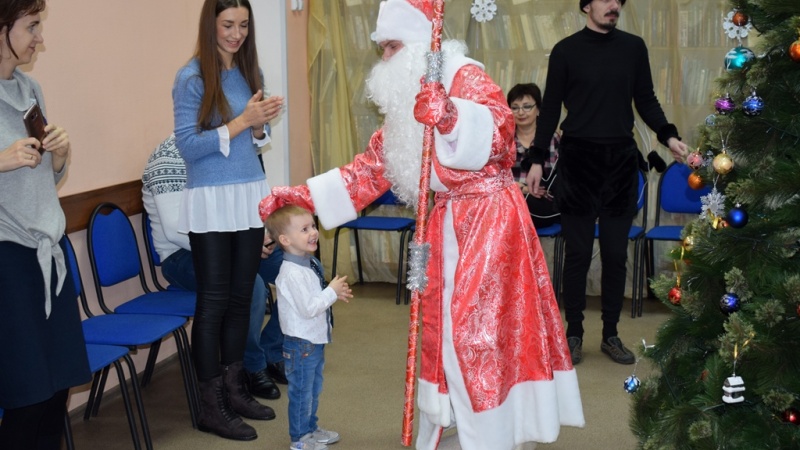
(325, 436)
(618, 352)
(575, 349)
(307, 442)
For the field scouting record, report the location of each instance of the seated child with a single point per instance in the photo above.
(304, 300)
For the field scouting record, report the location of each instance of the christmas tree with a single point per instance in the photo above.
(728, 359)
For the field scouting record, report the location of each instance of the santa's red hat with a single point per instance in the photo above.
(404, 20)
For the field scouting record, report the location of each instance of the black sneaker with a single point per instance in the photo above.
(618, 352)
(575, 349)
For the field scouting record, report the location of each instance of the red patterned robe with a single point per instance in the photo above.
(493, 344)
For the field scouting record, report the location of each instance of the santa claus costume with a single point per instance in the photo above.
(494, 357)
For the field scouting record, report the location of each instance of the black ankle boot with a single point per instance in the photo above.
(216, 415)
(242, 402)
(261, 385)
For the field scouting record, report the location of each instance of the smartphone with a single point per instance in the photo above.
(35, 123)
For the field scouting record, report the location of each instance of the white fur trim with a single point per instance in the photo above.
(331, 199)
(452, 64)
(435, 405)
(570, 407)
(398, 20)
(469, 145)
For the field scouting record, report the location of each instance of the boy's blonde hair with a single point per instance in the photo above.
(279, 220)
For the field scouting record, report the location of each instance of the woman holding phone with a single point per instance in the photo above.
(221, 119)
(42, 350)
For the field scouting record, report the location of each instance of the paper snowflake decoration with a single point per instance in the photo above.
(733, 30)
(483, 10)
(713, 204)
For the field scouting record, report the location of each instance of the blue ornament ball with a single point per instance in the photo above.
(711, 120)
(737, 57)
(632, 384)
(753, 105)
(729, 303)
(737, 217)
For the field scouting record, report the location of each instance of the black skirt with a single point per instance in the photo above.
(39, 356)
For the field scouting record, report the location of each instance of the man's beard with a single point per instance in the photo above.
(392, 85)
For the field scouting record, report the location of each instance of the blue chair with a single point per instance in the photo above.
(674, 196)
(137, 330)
(554, 231)
(401, 225)
(114, 257)
(103, 349)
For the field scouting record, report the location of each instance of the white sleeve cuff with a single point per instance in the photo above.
(265, 140)
(224, 140)
(331, 198)
(469, 145)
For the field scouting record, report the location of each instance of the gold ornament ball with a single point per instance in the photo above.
(688, 243)
(794, 51)
(740, 19)
(695, 181)
(723, 163)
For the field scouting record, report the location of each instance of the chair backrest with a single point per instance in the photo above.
(75, 271)
(641, 202)
(153, 259)
(113, 249)
(147, 229)
(674, 193)
(387, 198)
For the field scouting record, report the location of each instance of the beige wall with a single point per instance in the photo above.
(106, 68)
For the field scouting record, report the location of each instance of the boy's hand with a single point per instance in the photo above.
(342, 289)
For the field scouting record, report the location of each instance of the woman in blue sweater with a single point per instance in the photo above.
(221, 119)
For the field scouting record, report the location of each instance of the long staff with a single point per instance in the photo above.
(418, 259)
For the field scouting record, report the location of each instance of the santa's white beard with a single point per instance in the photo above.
(392, 85)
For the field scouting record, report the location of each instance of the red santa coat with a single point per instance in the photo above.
(489, 292)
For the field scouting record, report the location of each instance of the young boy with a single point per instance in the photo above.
(305, 305)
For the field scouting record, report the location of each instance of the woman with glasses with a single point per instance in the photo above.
(524, 100)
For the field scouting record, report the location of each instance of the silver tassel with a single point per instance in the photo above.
(435, 66)
(418, 255)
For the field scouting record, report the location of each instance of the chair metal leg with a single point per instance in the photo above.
(126, 401)
(642, 280)
(137, 396)
(358, 257)
(401, 252)
(87, 413)
(635, 293)
(101, 387)
(151, 363)
(188, 374)
(335, 249)
(68, 432)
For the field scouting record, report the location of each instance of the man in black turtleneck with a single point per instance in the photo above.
(598, 73)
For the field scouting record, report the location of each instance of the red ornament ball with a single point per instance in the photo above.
(740, 19)
(794, 51)
(675, 295)
(798, 310)
(696, 181)
(694, 160)
(791, 415)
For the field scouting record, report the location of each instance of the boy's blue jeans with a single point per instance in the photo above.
(304, 362)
